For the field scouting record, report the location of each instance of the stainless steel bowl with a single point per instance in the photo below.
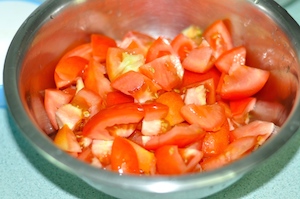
(269, 33)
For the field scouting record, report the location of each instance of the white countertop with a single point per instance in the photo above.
(25, 174)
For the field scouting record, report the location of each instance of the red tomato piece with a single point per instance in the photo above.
(159, 48)
(89, 101)
(255, 128)
(234, 151)
(126, 113)
(86, 155)
(83, 50)
(155, 110)
(243, 82)
(190, 77)
(174, 102)
(120, 61)
(241, 108)
(117, 97)
(68, 70)
(95, 79)
(124, 159)
(182, 45)
(146, 159)
(231, 59)
(199, 59)
(215, 143)
(169, 161)
(167, 71)
(53, 100)
(65, 139)
(218, 37)
(200, 93)
(136, 42)
(137, 85)
(100, 44)
(180, 135)
(209, 117)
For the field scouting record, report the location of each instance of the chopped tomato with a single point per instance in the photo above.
(180, 135)
(209, 117)
(164, 106)
(53, 100)
(231, 59)
(146, 159)
(199, 59)
(172, 160)
(124, 159)
(216, 142)
(159, 48)
(190, 77)
(136, 42)
(240, 109)
(182, 45)
(174, 102)
(89, 102)
(68, 70)
(119, 114)
(218, 37)
(169, 161)
(65, 139)
(120, 61)
(117, 97)
(100, 44)
(167, 71)
(255, 128)
(233, 151)
(137, 85)
(200, 93)
(95, 79)
(83, 50)
(243, 82)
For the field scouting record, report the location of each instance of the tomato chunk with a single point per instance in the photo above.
(209, 117)
(123, 157)
(126, 113)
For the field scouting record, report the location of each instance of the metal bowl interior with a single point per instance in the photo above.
(270, 35)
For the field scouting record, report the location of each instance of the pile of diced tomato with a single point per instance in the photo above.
(157, 106)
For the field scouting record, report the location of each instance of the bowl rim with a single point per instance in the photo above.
(145, 183)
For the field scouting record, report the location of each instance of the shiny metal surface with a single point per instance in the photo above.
(269, 33)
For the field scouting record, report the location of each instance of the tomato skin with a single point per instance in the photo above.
(95, 80)
(65, 139)
(199, 59)
(137, 85)
(117, 97)
(231, 58)
(53, 100)
(182, 45)
(68, 70)
(146, 159)
(169, 161)
(83, 50)
(174, 102)
(243, 82)
(126, 113)
(218, 37)
(160, 47)
(209, 117)
(167, 71)
(136, 42)
(233, 151)
(215, 143)
(190, 77)
(155, 110)
(180, 135)
(123, 157)
(100, 44)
